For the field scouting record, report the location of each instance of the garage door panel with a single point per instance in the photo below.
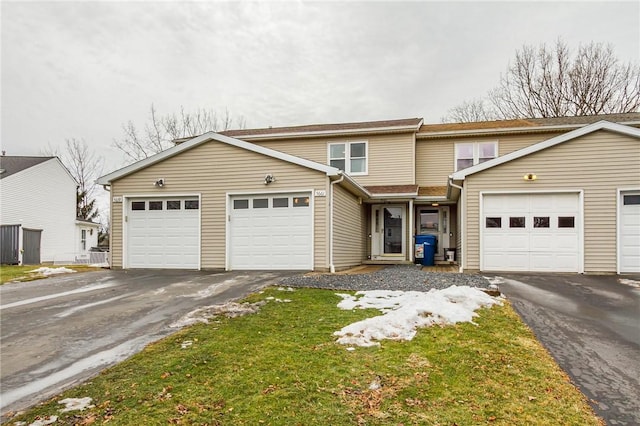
(537, 246)
(275, 237)
(163, 238)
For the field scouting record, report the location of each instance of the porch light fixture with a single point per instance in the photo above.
(269, 179)
(435, 204)
(159, 183)
(530, 176)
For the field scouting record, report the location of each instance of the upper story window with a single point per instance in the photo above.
(350, 157)
(470, 154)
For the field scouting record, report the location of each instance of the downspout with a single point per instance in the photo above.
(462, 218)
(332, 267)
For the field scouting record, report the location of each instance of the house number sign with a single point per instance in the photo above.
(320, 193)
(117, 199)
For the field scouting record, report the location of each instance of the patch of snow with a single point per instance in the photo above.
(90, 305)
(406, 311)
(283, 300)
(286, 289)
(62, 294)
(186, 344)
(44, 421)
(230, 310)
(351, 348)
(74, 404)
(494, 282)
(270, 298)
(632, 283)
(46, 271)
(375, 384)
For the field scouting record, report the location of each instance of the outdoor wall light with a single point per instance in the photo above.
(269, 179)
(159, 183)
(530, 176)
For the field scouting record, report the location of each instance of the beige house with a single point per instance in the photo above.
(556, 195)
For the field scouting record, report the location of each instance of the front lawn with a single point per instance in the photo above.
(11, 273)
(281, 366)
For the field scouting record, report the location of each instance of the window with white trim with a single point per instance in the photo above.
(350, 157)
(83, 239)
(472, 153)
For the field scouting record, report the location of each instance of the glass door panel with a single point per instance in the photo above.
(393, 230)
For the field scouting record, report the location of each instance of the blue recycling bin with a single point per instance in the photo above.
(419, 254)
(429, 250)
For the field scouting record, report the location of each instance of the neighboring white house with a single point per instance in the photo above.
(39, 195)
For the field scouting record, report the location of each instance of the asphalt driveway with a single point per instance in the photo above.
(62, 330)
(591, 326)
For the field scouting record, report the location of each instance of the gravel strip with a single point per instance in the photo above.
(397, 277)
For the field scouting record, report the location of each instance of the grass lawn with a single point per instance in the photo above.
(10, 273)
(282, 367)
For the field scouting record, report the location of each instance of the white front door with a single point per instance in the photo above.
(629, 244)
(388, 232)
(434, 220)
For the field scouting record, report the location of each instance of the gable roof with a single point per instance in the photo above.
(521, 125)
(601, 125)
(211, 136)
(10, 164)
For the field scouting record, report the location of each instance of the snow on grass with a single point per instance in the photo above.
(229, 309)
(406, 311)
(74, 404)
(51, 271)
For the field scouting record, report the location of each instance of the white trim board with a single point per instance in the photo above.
(211, 136)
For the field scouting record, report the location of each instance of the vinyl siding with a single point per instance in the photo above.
(349, 229)
(213, 170)
(390, 157)
(598, 164)
(43, 197)
(435, 158)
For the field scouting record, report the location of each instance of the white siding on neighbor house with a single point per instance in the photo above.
(597, 164)
(213, 170)
(43, 197)
(91, 237)
(348, 229)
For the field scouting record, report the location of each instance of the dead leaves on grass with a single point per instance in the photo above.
(369, 400)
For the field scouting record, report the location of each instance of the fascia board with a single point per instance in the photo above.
(600, 125)
(174, 150)
(348, 132)
(497, 131)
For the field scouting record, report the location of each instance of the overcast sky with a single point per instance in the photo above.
(82, 69)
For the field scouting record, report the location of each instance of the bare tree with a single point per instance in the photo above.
(552, 82)
(85, 166)
(161, 130)
(470, 111)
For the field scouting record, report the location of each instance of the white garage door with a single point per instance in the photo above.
(630, 232)
(163, 233)
(531, 232)
(271, 231)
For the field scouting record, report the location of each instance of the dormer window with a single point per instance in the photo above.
(350, 157)
(470, 154)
